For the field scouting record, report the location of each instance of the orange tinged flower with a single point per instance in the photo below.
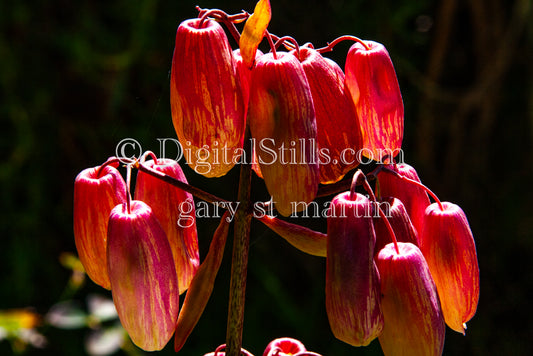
(338, 127)
(144, 284)
(449, 248)
(352, 279)
(414, 324)
(174, 209)
(372, 83)
(282, 120)
(96, 192)
(206, 100)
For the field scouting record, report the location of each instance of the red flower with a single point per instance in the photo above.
(144, 284)
(96, 192)
(372, 83)
(352, 279)
(338, 127)
(206, 100)
(414, 324)
(174, 209)
(448, 246)
(282, 120)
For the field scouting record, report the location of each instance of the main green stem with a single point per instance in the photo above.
(239, 264)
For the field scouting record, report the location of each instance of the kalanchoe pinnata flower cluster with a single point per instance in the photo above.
(398, 267)
(308, 122)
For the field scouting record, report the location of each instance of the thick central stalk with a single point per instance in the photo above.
(239, 264)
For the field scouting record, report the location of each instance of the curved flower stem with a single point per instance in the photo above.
(358, 177)
(293, 44)
(128, 186)
(221, 16)
(112, 161)
(239, 264)
(333, 43)
(145, 156)
(418, 184)
(271, 44)
(218, 14)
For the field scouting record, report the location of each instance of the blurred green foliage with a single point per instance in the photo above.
(77, 77)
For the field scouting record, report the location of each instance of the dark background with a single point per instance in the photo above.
(76, 77)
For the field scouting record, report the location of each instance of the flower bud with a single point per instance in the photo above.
(206, 100)
(144, 284)
(399, 221)
(174, 209)
(282, 120)
(414, 198)
(448, 246)
(414, 324)
(372, 83)
(96, 192)
(352, 279)
(338, 127)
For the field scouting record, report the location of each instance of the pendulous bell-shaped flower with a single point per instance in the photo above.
(96, 192)
(282, 121)
(206, 99)
(414, 198)
(372, 83)
(398, 218)
(414, 324)
(174, 209)
(144, 283)
(352, 279)
(449, 248)
(338, 128)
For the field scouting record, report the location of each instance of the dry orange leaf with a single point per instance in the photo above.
(254, 30)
